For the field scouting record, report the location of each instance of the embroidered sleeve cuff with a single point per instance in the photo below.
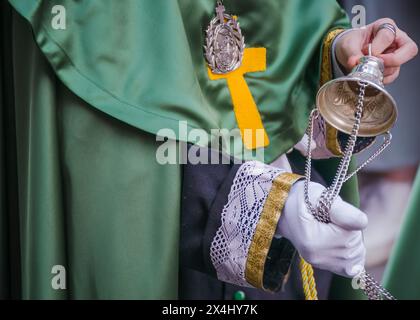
(327, 146)
(327, 55)
(244, 241)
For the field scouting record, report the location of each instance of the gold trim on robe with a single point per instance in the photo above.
(326, 75)
(266, 228)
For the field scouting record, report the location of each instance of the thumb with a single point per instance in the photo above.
(348, 217)
(351, 48)
(356, 54)
(353, 60)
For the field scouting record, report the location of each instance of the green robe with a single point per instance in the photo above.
(80, 110)
(402, 276)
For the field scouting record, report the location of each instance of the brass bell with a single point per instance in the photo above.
(337, 100)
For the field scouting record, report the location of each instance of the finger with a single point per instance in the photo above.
(383, 38)
(351, 48)
(391, 49)
(390, 71)
(357, 262)
(340, 267)
(391, 78)
(355, 53)
(343, 243)
(355, 240)
(343, 239)
(354, 60)
(350, 262)
(348, 217)
(340, 263)
(403, 54)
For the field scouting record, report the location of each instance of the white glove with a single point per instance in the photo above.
(338, 246)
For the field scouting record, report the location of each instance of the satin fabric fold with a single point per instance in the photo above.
(142, 61)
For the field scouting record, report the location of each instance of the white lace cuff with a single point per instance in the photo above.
(248, 223)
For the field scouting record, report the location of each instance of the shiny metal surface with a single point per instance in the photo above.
(337, 99)
(320, 211)
(225, 43)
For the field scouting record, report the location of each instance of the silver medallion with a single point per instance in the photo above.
(225, 44)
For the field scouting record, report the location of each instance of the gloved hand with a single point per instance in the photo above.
(338, 246)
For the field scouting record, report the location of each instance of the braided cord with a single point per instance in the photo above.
(308, 280)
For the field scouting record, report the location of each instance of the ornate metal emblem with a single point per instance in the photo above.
(225, 44)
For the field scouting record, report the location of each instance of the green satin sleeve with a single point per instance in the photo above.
(142, 61)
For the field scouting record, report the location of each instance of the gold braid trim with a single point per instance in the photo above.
(266, 228)
(326, 75)
(331, 137)
(326, 64)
